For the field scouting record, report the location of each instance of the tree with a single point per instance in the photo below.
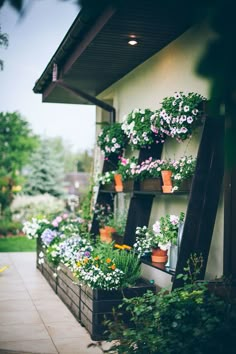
(73, 160)
(45, 174)
(16, 145)
(3, 43)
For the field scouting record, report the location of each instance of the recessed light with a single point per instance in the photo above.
(133, 42)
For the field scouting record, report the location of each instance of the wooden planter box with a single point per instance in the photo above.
(185, 185)
(110, 187)
(151, 185)
(97, 305)
(128, 186)
(117, 238)
(89, 306)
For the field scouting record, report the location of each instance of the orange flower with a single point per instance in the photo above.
(96, 258)
(86, 260)
(113, 267)
(108, 260)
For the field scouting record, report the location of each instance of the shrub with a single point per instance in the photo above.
(26, 207)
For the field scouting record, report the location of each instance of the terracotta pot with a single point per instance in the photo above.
(150, 185)
(118, 183)
(167, 182)
(110, 229)
(105, 235)
(159, 255)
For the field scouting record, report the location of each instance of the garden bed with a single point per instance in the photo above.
(89, 306)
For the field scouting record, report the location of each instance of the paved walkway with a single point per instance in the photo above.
(32, 317)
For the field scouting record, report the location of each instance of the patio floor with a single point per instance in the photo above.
(32, 317)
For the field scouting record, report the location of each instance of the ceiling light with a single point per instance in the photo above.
(133, 42)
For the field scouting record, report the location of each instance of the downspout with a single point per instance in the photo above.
(77, 92)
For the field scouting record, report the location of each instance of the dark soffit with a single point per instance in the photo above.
(108, 57)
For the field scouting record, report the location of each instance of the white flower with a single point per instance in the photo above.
(186, 108)
(189, 120)
(113, 140)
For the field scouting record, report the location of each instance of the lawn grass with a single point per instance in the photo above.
(17, 244)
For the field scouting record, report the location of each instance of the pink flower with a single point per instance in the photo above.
(55, 223)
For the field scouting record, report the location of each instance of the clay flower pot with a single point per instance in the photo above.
(159, 255)
(118, 183)
(105, 235)
(167, 182)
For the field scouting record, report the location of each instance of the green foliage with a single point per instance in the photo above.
(45, 172)
(16, 145)
(188, 320)
(9, 227)
(17, 244)
(128, 262)
(118, 221)
(73, 161)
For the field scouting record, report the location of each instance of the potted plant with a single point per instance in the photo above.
(126, 168)
(118, 224)
(137, 126)
(164, 233)
(103, 213)
(184, 169)
(106, 181)
(179, 115)
(112, 140)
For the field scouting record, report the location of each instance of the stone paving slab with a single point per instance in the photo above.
(33, 320)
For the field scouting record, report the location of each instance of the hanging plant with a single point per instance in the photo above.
(112, 140)
(179, 115)
(137, 126)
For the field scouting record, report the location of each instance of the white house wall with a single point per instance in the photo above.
(172, 69)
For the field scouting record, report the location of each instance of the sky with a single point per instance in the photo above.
(33, 39)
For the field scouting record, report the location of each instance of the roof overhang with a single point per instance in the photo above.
(95, 52)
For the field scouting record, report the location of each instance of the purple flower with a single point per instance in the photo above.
(48, 236)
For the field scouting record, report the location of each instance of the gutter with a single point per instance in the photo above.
(77, 92)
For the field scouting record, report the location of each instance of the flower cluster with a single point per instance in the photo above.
(183, 169)
(142, 243)
(179, 115)
(48, 236)
(106, 178)
(35, 227)
(99, 272)
(127, 168)
(137, 125)
(102, 213)
(112, 140)
(70, 251)
(164, 232)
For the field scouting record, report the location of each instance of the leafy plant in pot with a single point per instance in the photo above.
(103, 213)
(165, 235)
(179, 115)
(137, 126)
(112, 140)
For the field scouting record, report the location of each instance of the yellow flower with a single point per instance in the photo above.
(78, 264)
(126, 247)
